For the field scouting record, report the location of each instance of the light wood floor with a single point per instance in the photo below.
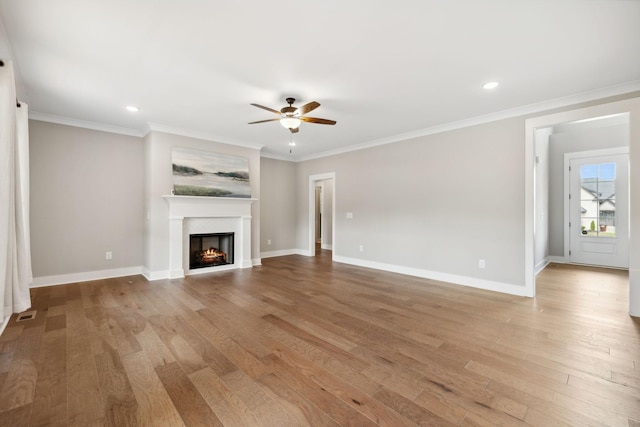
(302, 341)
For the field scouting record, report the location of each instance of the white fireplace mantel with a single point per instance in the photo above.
(192, 208)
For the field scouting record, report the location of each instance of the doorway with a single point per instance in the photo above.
(533, 216)
(321, 213)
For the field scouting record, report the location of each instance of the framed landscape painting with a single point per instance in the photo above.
(202, 173)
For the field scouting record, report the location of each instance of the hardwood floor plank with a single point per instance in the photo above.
(416, 413)
(233, 351)
(84, 400)
(332, 351)
(19, 386)
(192, 407)
(306, 412)
(121, 406)
(188, 358)
(154, 348)
(540, 411)
(205, 349)
(16, 417)
(261, 403)
(154, 404)
(227, 406)
(333, 406)
(49, 403)
(348, 392)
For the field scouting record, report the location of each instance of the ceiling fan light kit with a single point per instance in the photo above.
(291, 117)
(290, 122)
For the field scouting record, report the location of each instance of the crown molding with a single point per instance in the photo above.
(566, 101)
(156, 127)
(62, 120)
(276, 156)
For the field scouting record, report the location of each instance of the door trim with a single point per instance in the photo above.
(567, 188)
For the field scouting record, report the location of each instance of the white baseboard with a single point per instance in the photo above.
(285, 252)
(256, 262)
(473, 282)
(84, 277)
(327, 247)
(540, 266)
(155, 275)
(548, 260)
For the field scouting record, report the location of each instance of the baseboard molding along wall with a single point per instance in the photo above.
(557, 259)
(285, 252)
(84, 277)
(472, 282)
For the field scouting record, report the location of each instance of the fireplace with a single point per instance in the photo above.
(210, 250)
(191, 215)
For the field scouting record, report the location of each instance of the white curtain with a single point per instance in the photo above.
(15, 252)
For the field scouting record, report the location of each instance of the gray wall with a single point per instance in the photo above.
(278, 212)
(573, 139)
(86, 199)
(437, 203)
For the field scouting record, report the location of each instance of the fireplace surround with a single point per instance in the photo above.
(190, 215)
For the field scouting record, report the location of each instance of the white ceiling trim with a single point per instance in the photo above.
(289, 158)
(202, 135)
(487, 118)
(52, 118)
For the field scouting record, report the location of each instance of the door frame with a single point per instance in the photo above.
(313, 179)
(567, 189)
(628, 106)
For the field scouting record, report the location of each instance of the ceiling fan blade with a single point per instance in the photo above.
(266, 108)
(264, 121)
(319, 121)
(307, 108)
(293, 130)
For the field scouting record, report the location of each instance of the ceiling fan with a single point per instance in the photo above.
(290, 117)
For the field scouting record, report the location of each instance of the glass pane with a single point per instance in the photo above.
(607, 172)
(598, 200)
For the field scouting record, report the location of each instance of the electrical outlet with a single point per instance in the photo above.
(269, 242)
(108, 255)
(481, 263)
(361, 248)
(349, 215)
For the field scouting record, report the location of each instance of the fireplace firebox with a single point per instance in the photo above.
(210, 250)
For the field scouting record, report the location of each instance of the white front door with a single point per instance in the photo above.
(599, 210)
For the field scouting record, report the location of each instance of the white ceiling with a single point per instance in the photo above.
(383, 70)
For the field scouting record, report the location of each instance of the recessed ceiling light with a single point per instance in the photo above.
(490, 85)
(132, 108)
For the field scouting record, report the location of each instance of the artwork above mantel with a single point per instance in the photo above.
(201, 173)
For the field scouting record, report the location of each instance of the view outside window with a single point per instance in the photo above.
(598, 200)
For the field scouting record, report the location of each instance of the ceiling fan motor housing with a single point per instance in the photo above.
(288, 111)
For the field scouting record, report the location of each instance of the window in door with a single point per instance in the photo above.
(598, 200)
